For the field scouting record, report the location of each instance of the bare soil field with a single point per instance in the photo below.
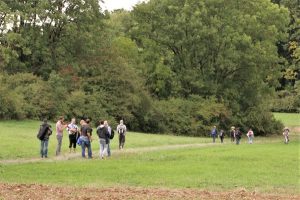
(42, 192)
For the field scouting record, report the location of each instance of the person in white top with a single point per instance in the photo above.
(73, 131)
(250, 136)
(121, 129)
(285, 133)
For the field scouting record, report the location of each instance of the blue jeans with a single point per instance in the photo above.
(108, 149)
(59, 142)
(250, 138)
(85, 143)
(214, 138)
(103, 147)
(44, 148)
(237, 140)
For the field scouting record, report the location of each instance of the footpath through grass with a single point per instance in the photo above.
(268, 165)
(21, 142)
(261, 167)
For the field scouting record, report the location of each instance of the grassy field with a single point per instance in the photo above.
(266, 166)
(288, 119)
(260, 167)
(21, 141)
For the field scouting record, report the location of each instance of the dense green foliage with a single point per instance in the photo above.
(167, 66)
(288, 92)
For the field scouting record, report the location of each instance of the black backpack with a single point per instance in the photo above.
(122, 131)
(42, 132)
(112, 134)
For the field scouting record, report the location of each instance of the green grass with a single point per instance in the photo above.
(21, 142)
(263, 167)
(288, 119)
(268, 165)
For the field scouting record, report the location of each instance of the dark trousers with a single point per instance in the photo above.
(214, 138)
(121, 141)
(238, 139)
(232, 138)
(73, 141)
(221, 138)
(108, 149)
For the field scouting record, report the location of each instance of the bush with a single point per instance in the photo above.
(262, 122)
(287, 100)
(27, 96)
(193, 117)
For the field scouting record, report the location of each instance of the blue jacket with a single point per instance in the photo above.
(214, 132)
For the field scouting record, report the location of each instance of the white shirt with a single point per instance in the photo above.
(72, 126)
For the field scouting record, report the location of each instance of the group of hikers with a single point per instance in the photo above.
(236, 135)
(81, 136)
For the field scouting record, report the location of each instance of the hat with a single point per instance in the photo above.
(232, 127)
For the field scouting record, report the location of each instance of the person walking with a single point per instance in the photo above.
(86, 138)
(214, 133)
(232, 134)
(285, 133)
(103, 135)
(110, 132)
(222, 135)
(250, 136)
(238, 136)
(72, 129)
(121, 129)
(59, 134)
(44, 133)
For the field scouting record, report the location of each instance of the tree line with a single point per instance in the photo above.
(167, 66)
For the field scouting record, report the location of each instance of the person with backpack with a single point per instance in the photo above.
(238, 136)
(43, 135)
(72, 129)
(214, 133)
(285, 133)
(60, 126)
(121, 129)
(111, 136)
(232, 134)
(86, 138)
(103, 135)
(222, 135)
(250, 136)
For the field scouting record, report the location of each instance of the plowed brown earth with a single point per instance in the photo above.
(41, 192)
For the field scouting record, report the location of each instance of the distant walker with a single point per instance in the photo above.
(121, 129)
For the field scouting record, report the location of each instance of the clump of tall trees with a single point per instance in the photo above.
(168, 66)
(287, 97)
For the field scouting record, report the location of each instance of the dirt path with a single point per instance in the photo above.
(295, 129)
(68, 156)
(72, 156)
(46, 192)
(50, 192)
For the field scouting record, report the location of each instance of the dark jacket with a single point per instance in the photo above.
(103, 133)
(85, 129)
(44, 132)
(238, 134)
